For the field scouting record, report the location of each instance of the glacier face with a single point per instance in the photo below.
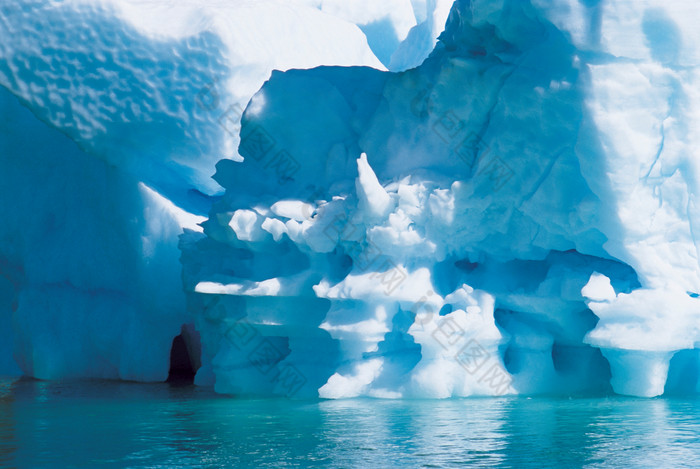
(516, 214)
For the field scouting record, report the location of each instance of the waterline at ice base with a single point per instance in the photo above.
(340, 199)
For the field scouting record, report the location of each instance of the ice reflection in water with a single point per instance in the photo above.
(113, 424)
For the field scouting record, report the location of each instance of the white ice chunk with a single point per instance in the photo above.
(294, 209)
(373, 198)
(598, 288)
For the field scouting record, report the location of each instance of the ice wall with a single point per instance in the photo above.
(114, 114)
(89, 272)
(517, 214)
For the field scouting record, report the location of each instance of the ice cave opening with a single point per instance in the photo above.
(185, 356)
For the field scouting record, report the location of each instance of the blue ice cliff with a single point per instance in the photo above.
(513, 212)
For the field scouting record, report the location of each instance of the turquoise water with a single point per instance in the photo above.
(97, 424)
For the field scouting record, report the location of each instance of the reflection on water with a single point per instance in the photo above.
(98, 423)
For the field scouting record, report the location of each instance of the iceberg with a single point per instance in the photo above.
(515, 215)
(510, 209)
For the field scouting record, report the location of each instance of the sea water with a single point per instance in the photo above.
(117, 424)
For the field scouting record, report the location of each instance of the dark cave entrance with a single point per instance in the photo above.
(185, 354)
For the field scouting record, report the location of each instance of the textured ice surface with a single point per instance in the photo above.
(516, 214)
(113, 115)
